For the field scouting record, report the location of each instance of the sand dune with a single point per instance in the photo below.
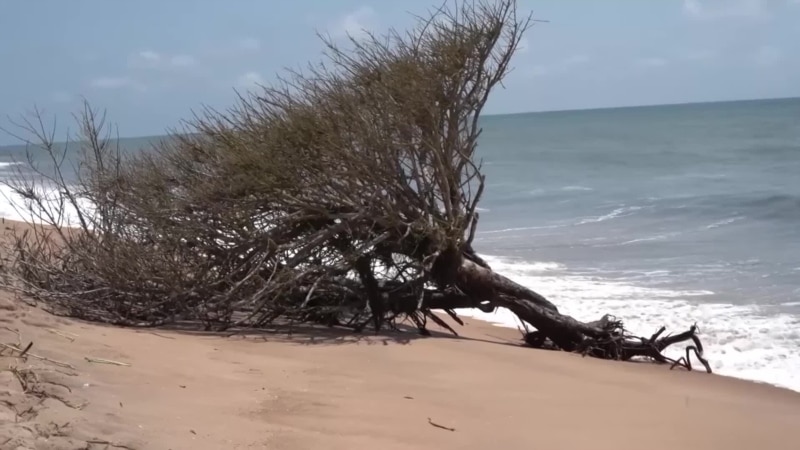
(335, 390)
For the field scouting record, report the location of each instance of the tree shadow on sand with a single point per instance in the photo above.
(307, 334)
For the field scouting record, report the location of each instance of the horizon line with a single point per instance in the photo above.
(547, 111)
(645, 105)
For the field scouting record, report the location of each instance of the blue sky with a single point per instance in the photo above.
(150, 63)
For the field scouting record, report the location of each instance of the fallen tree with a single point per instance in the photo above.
(347, 196)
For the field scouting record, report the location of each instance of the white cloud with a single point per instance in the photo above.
(250, 44)
(110, 82)
(144, 59)
(149, 55)
(182, 61)
(558, 67)
(725, 9)
(356, 22)
(699, 55)
(116, 83)
(576, 60)
(149, 59)
(250, 80)
(652, 62)
(768, 56)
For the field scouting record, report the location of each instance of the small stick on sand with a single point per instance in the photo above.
(62, 334)
(160, 335)
(106, 361)
(440, 426)
(24, 352)
(108, 444)
(40, 358)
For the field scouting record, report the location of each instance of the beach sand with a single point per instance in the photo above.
(336, 390)
(333, 389)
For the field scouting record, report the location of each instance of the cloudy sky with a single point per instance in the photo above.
(150, 63)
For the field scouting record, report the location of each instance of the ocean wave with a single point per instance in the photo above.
(615, 243)
(694, 175)
(532, 267)
(576, 189)
(508, 230)
(542, 191)
(741, 340)
(722, 223)
(736, 206)
(536, 192)
(660, 237)
(655, 273)
(773, 206)
(619, 212)
(14, 207)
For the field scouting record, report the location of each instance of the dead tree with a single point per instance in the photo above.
(345, 195)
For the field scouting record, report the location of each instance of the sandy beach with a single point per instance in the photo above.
(333, 389)
(620, 179)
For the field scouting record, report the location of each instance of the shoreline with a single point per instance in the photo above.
(717, 374)
(13, 224)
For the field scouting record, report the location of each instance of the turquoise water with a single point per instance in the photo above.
(662, 215)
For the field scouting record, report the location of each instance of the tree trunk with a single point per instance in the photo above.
(605, 338)
(479, 281)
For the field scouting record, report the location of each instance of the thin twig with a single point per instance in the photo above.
(106, 361)
(160, 335)
(40, 358)
(62, 334)
(24, 352)
(108, 443)
(440, 426)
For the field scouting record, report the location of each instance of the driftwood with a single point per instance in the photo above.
(478, 286)
(605, 338)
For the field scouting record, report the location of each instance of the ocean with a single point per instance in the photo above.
(660, 215)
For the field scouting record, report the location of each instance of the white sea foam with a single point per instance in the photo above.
(536, 192)
(576, 189)
(659, 237)
(619, 212)
(740, 340)
(724, 222)
(572, 188)
(506, 230)
(14, 207)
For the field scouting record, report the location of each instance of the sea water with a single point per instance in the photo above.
(662, 215)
